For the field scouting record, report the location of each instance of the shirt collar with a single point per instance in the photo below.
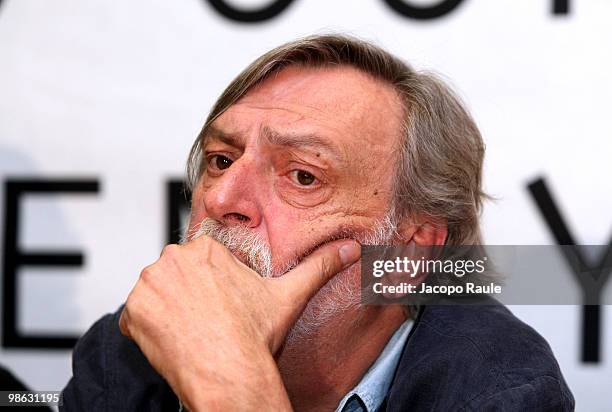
(373, 387)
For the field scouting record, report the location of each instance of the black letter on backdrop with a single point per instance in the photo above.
(14, 258)
(591, 278)
(423, 12)
(177, 199)
(250, 16)
(560, 7)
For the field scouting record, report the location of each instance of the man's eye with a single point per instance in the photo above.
(221, 162)
(303, 178)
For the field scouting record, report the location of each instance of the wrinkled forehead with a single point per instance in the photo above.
(342, 104)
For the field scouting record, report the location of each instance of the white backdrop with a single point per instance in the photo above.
(117, 91)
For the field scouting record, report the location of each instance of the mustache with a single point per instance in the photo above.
(249, 246)
(245, 244)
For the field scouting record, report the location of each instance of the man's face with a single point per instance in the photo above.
(308, 154)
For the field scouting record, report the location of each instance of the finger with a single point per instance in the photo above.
(200, 241)
(301, 283)
(204, 246)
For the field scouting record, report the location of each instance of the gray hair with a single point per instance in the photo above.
(439, 172)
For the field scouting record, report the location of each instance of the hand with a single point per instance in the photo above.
(210, 325)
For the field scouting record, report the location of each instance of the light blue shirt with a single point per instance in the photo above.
(375, 384)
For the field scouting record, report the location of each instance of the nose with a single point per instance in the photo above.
(232, 197)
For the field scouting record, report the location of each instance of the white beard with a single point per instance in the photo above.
(338, 295)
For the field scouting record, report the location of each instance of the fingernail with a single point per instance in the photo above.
(349, 253)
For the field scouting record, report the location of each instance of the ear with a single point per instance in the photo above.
(416, 235)
(424, 231)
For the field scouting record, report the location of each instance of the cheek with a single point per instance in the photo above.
(293, 231)
(282, 229)
(290, 232)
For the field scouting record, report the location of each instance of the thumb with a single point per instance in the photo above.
(303, 281)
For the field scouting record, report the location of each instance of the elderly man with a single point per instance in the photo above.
(319, 146)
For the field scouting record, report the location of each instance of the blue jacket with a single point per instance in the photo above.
(457, 358)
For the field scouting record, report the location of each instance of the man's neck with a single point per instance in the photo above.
(320, 370)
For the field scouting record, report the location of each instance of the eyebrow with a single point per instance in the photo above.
(309, 140)
(225, 137)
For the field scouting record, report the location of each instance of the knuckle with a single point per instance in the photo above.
(215, 248)
(205, 240)
(207, 244)
(146, 274)
(170, 251)
(131, 306)
(213, 244)
(325, 265)
(329, 265)
(134, 305)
